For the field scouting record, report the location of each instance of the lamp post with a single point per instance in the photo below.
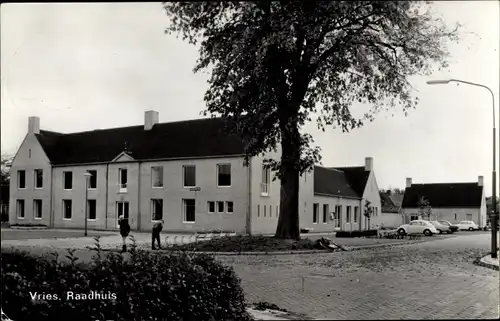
(87, 177)
(493, 219)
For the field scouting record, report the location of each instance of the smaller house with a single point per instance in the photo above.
(391, 203)
(453, 202)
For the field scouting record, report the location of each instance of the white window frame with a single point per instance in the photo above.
(227, 207)
(217, 207)
(153, 168)
(64, 180)
(64, 210)
(277, 210)
(18, 207)
(35, 171)
(184, 176)
(91, 172)
(153, 207)
(356, 214)
(265, 210)
(39, 201)
(348, 214)
(184, 210)
(208, 206)
(230, 176)
(270, 211)
(338, 216)
(19, 179)
(122, 187)
(258, 210)
(266, 181)
(315, 213)
(88, 210)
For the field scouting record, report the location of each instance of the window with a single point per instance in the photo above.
(229, 207)
(455, 216)
(37, 209)
(157, 176)
(122, 179)
(265, 207)
(68, 180)
(413, 217)
(220, 207)
(224, 175)
(21, 179)
(189, 210)
(468, 217)
(92, 179)
(38, 178)
(264, 186)
(20, 209)
(338, 215)
(91, 210)
(211, 207)
(189, 175)
(67, 209)
(277, 210)
(270, 211)
(156, 209)
(325, 213)
(376, 211)
(122, 209)
(258, 210)
(315, 212)
(356, 213)
(348, 214)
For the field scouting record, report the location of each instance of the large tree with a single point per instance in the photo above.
(275, 65)
(6, 163)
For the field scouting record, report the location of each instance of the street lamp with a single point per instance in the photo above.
(87, 176)
(493, 219)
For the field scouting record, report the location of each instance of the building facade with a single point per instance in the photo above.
(189, 174)
(453, 202)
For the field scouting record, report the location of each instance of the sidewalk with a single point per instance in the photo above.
(490, 262)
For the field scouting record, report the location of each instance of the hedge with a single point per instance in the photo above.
(147, 286)
(366, 233)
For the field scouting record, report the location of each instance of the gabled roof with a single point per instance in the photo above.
(357, 177)
(444, 195)
(388, 203)
(336, 182)
(184, 139)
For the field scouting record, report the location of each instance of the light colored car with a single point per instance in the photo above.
(467, 226)
(440, 227)
(418, 227)
(453, 228)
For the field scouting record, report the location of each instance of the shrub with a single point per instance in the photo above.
(246, 243)
(148, 286)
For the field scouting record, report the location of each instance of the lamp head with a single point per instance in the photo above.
(438, 82)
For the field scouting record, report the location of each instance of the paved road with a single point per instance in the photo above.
(430, 280)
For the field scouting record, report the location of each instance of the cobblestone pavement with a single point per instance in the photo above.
(430, 280)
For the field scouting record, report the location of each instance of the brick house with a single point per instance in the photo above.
(453, 202)
(188, 173)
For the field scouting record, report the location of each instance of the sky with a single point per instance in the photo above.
(85, 66)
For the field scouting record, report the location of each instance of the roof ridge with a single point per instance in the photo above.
(133, 126)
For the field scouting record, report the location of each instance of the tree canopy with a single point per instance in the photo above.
(277, 65)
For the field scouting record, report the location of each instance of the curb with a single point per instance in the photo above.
(26, 228)
(347, 249)
(479, 262)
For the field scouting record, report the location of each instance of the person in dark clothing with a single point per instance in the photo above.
(124, 230)
(157, 227)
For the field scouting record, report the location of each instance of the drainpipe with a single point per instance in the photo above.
(106, 203)
(51, 213)
(249, 210)
(139, 199)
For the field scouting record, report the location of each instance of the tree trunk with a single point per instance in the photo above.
(288, 221)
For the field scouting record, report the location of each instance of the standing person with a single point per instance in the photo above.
(157, 227)
(124, 230)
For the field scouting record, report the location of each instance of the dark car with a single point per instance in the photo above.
(453, 228)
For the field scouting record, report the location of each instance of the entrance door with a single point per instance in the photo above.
(121, 209)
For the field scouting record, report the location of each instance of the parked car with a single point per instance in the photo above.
(418, 227)
(453, 228)
(467, 226)
(441, 228)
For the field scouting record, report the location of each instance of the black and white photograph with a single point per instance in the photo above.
(250, 160)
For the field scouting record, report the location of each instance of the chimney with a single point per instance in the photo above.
(480, 181)
(368, 164)
(408, 182)
(150, 119)
(33, 125)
